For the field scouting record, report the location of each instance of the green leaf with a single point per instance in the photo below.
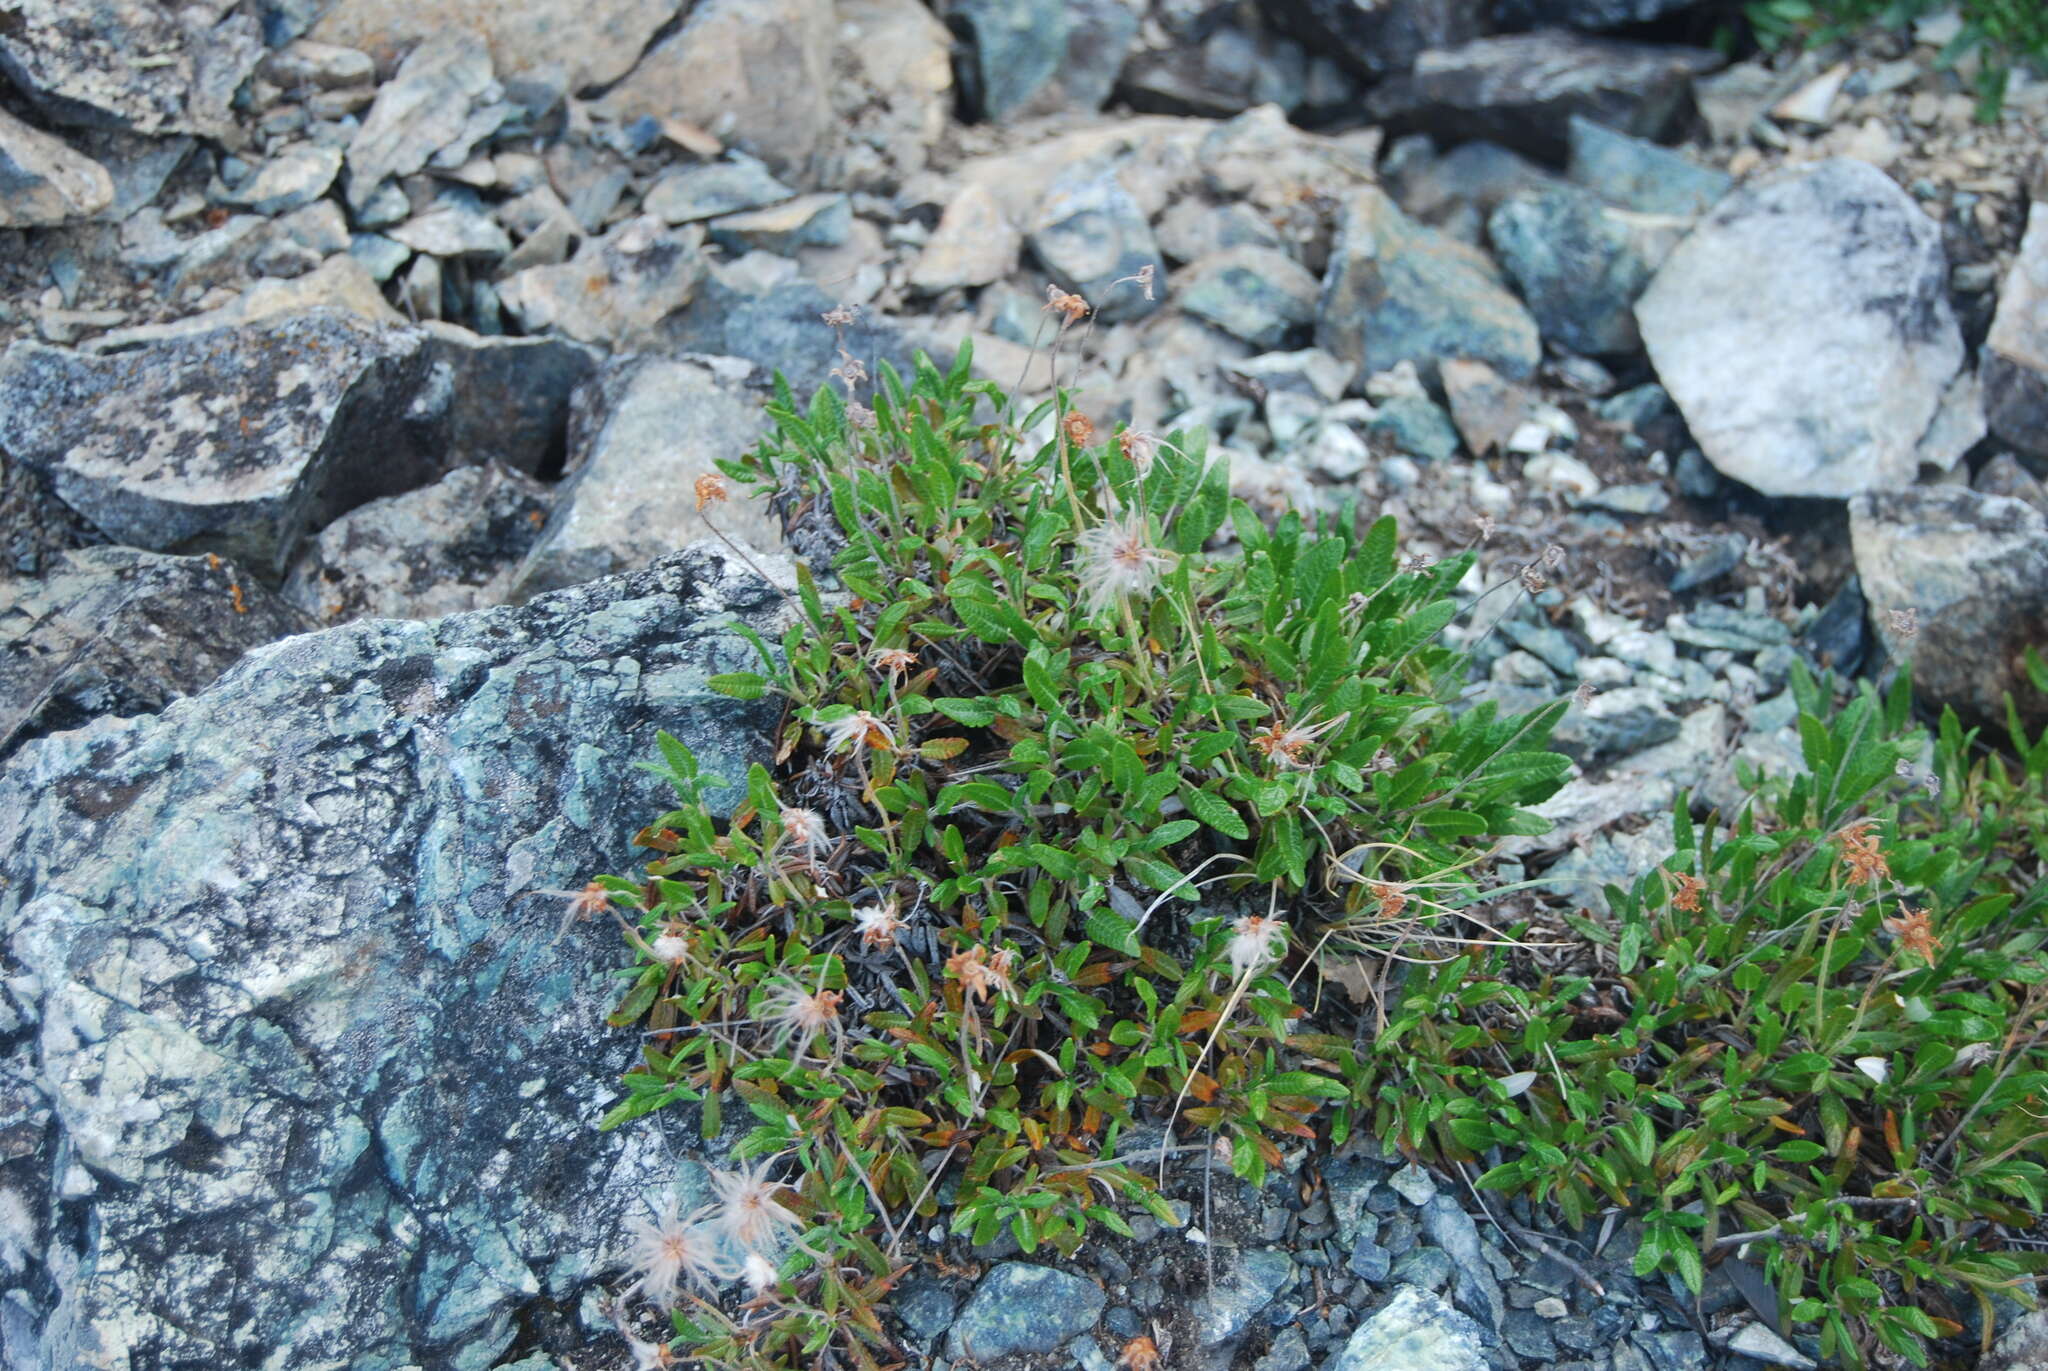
(740, 685)
(1215, 811)
(961, 710)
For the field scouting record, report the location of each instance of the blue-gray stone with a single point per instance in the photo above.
(1711, 563)
(1578, 265)
(1475, 1289)
(1413, 1330)
(1037, 56)
(262, 935)
(1427, 1267)
(1614, 723)
(1638, 497)
(1529, 1335)
(1090, 233)
(1636, 406)
(1417, 425)
(1289, 1352)
(1253, 293)
(1640, 175)
(1254, 1280)
(683, 195)
(1398, 292)
(925, 1305)
(1370, 1261)
(1019, 1307)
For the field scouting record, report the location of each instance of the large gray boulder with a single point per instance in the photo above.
(1804, 331)
(240, 439)
(1030, 57)
(1958, 582)
(293, 1072)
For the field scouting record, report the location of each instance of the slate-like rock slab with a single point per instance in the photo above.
(1030, 57)
(115, 630)
(1804, 331)
(290, 1054)
(1378, 39)
(44, 181)
(1397, 291)
(133, 65)
(439, 100)
(617, 289)
(1019, 1307)
(581, 43)
(1579, 265)
(760, 70)
(1253, 293)
(683, 195)
(1587, 15)
(1522, 89)
(240, 439)
(1958, 582)
(1637, 174)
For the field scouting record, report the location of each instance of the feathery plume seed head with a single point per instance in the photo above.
(748, 1211)
(803, 1015)
(759, 1274)
(582, 904)
(894, 660)
(804, 830)
(857, 728)
(671, 1250)
(1117, 558)
(711, 490)
(1140, 449)
(1255, 940)
(879, 924)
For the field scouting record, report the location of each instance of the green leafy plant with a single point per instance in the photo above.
(1064, 805)
(1815, 1034)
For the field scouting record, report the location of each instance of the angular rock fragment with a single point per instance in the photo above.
(1398, 292)
(974, 244)
(617, 289)
(644, 430)
(115, 630)
(438, 100)
(1252, 293)
(446, 548)
(1579, 265)
(683, 195)
(1804, 331)
(1521, 90)
(132, 65)
(43, 181)
(1019, 1307)
(257, 940)
(1377, 40)
(580, 43)
(1091, 234)
(2015, 363)
(1038, 56)
(1957, 581)
(1637, 174)
(1414, 1329)
(240, 439)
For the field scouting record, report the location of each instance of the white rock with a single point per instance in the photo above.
(1804, 331)
(1755, 1340)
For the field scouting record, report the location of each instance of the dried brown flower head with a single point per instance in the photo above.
(1079, 428)
(1687, 896)
(1393, 899)
(894, 660)
(711, 490)
(1139, 1354)
(1915, 932)
(1071, 308)
(1859, 849)
(979, 974)
(840, 316)
(1903, 622)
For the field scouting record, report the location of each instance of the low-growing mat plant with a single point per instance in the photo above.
(2003, 35)
(1090, 843)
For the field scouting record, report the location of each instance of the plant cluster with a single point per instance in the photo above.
(1065, 807)
(1088, 842)
(2003, 34)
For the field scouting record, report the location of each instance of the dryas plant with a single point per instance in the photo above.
(1064, 808)
(1812, 1040)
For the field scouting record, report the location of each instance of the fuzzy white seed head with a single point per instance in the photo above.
(1118, 559)
(1255, 940)
(804, 832)
(879, 924)
(802, 1015)
(670, 948)
(844, 735)
(759, 1273)
(748, 1211)
(671, 1250)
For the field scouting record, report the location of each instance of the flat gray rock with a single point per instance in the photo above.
(1019, 1307)
(1397, 291)
(644, 430)
(295, 176)
(1958, 582)
(1804, 331)
(77, 59)
(44, 181)
(823, 219)
(1031, 57)
(426, 108)
(1579, 265)
(1253, 293)
(1379, 39)
(1522, 89)
(239, 439)
(114, 630)
(578, 43)
(1637, 174)
(254, 943)
(616, 290)
(683, 195)
(1253, 1281)
(1588, 15)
